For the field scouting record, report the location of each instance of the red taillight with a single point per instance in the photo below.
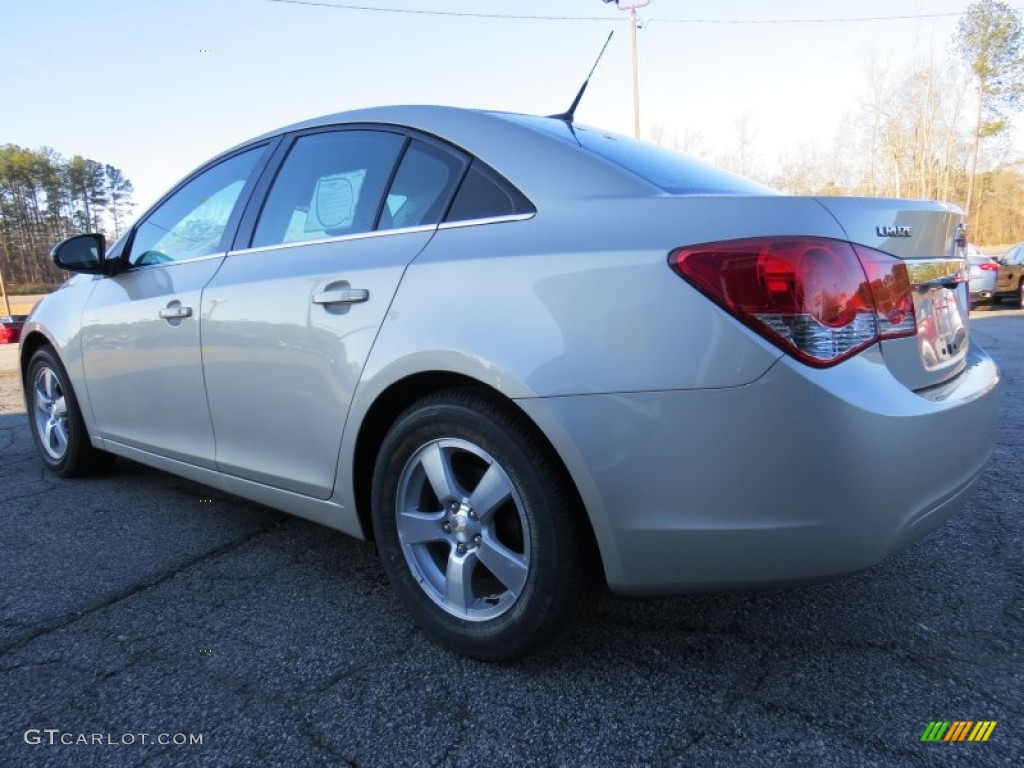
(989, 266)
(820, 300)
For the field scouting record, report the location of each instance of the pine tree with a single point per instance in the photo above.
(990, 37)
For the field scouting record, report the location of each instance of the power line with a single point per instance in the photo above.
(810, 21)
(529, 17)
(423, 12)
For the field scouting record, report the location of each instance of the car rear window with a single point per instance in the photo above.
(670, 171)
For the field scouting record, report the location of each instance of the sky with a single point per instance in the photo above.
(156, 87)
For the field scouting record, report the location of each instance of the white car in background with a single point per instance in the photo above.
(984, 271)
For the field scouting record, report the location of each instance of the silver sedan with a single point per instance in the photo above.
(527, 358)
(984, 271)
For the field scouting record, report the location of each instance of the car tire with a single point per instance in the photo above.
(478, 529)
(1020, 295)
(55, 419)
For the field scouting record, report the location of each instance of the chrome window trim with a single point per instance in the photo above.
(384, 233)
(488, 220)
(338, 239)
(139, 267)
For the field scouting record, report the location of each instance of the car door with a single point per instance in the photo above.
(140, 330)
(288, 321)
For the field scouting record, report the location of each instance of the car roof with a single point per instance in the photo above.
(542, 163)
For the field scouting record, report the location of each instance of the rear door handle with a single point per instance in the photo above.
(341, 296)
(175, 313)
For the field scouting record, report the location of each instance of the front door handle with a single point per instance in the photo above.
(175, 313)
(341, 296)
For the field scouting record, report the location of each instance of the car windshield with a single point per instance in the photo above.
(671, 171)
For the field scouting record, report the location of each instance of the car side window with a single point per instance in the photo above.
(485, 194)
(330, 184)
(421, 188)
(193, 221)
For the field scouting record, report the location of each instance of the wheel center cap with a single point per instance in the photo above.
(464, 524)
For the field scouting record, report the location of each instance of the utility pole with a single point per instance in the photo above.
(632, 7)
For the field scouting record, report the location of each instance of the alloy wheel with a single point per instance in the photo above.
(463, 529)
(50, 413)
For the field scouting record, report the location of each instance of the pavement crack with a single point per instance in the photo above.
(309, 730)
(32, 494)
(741, 693)
(455, 744)
(369, 663)
(926, 665)
(144, 585)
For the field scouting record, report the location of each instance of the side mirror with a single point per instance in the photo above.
(81, 253)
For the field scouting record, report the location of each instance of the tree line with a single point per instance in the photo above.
(935, 130)
(918, 147)
(45, 198)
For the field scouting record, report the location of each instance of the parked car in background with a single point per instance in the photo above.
(527, 357)
(1010, 282)
(10, 328)
(983, 273)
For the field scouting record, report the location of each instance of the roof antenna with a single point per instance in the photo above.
(571, 112)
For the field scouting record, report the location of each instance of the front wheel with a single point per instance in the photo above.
(57, 426)
(477, 528)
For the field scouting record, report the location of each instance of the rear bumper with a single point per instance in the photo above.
(801, 475)
(982, 285)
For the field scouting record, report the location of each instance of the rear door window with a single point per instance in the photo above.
(331, 184)
(422, 187)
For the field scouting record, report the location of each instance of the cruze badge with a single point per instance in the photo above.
(895, 231)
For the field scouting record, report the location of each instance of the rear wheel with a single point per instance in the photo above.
(1020, 295)
(57, 426)
(476, 527)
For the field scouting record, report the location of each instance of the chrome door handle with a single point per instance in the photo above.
(341, 296)
(175, 313)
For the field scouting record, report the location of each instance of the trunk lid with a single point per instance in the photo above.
(929, 237)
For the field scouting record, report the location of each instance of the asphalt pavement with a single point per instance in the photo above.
(148, 620)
